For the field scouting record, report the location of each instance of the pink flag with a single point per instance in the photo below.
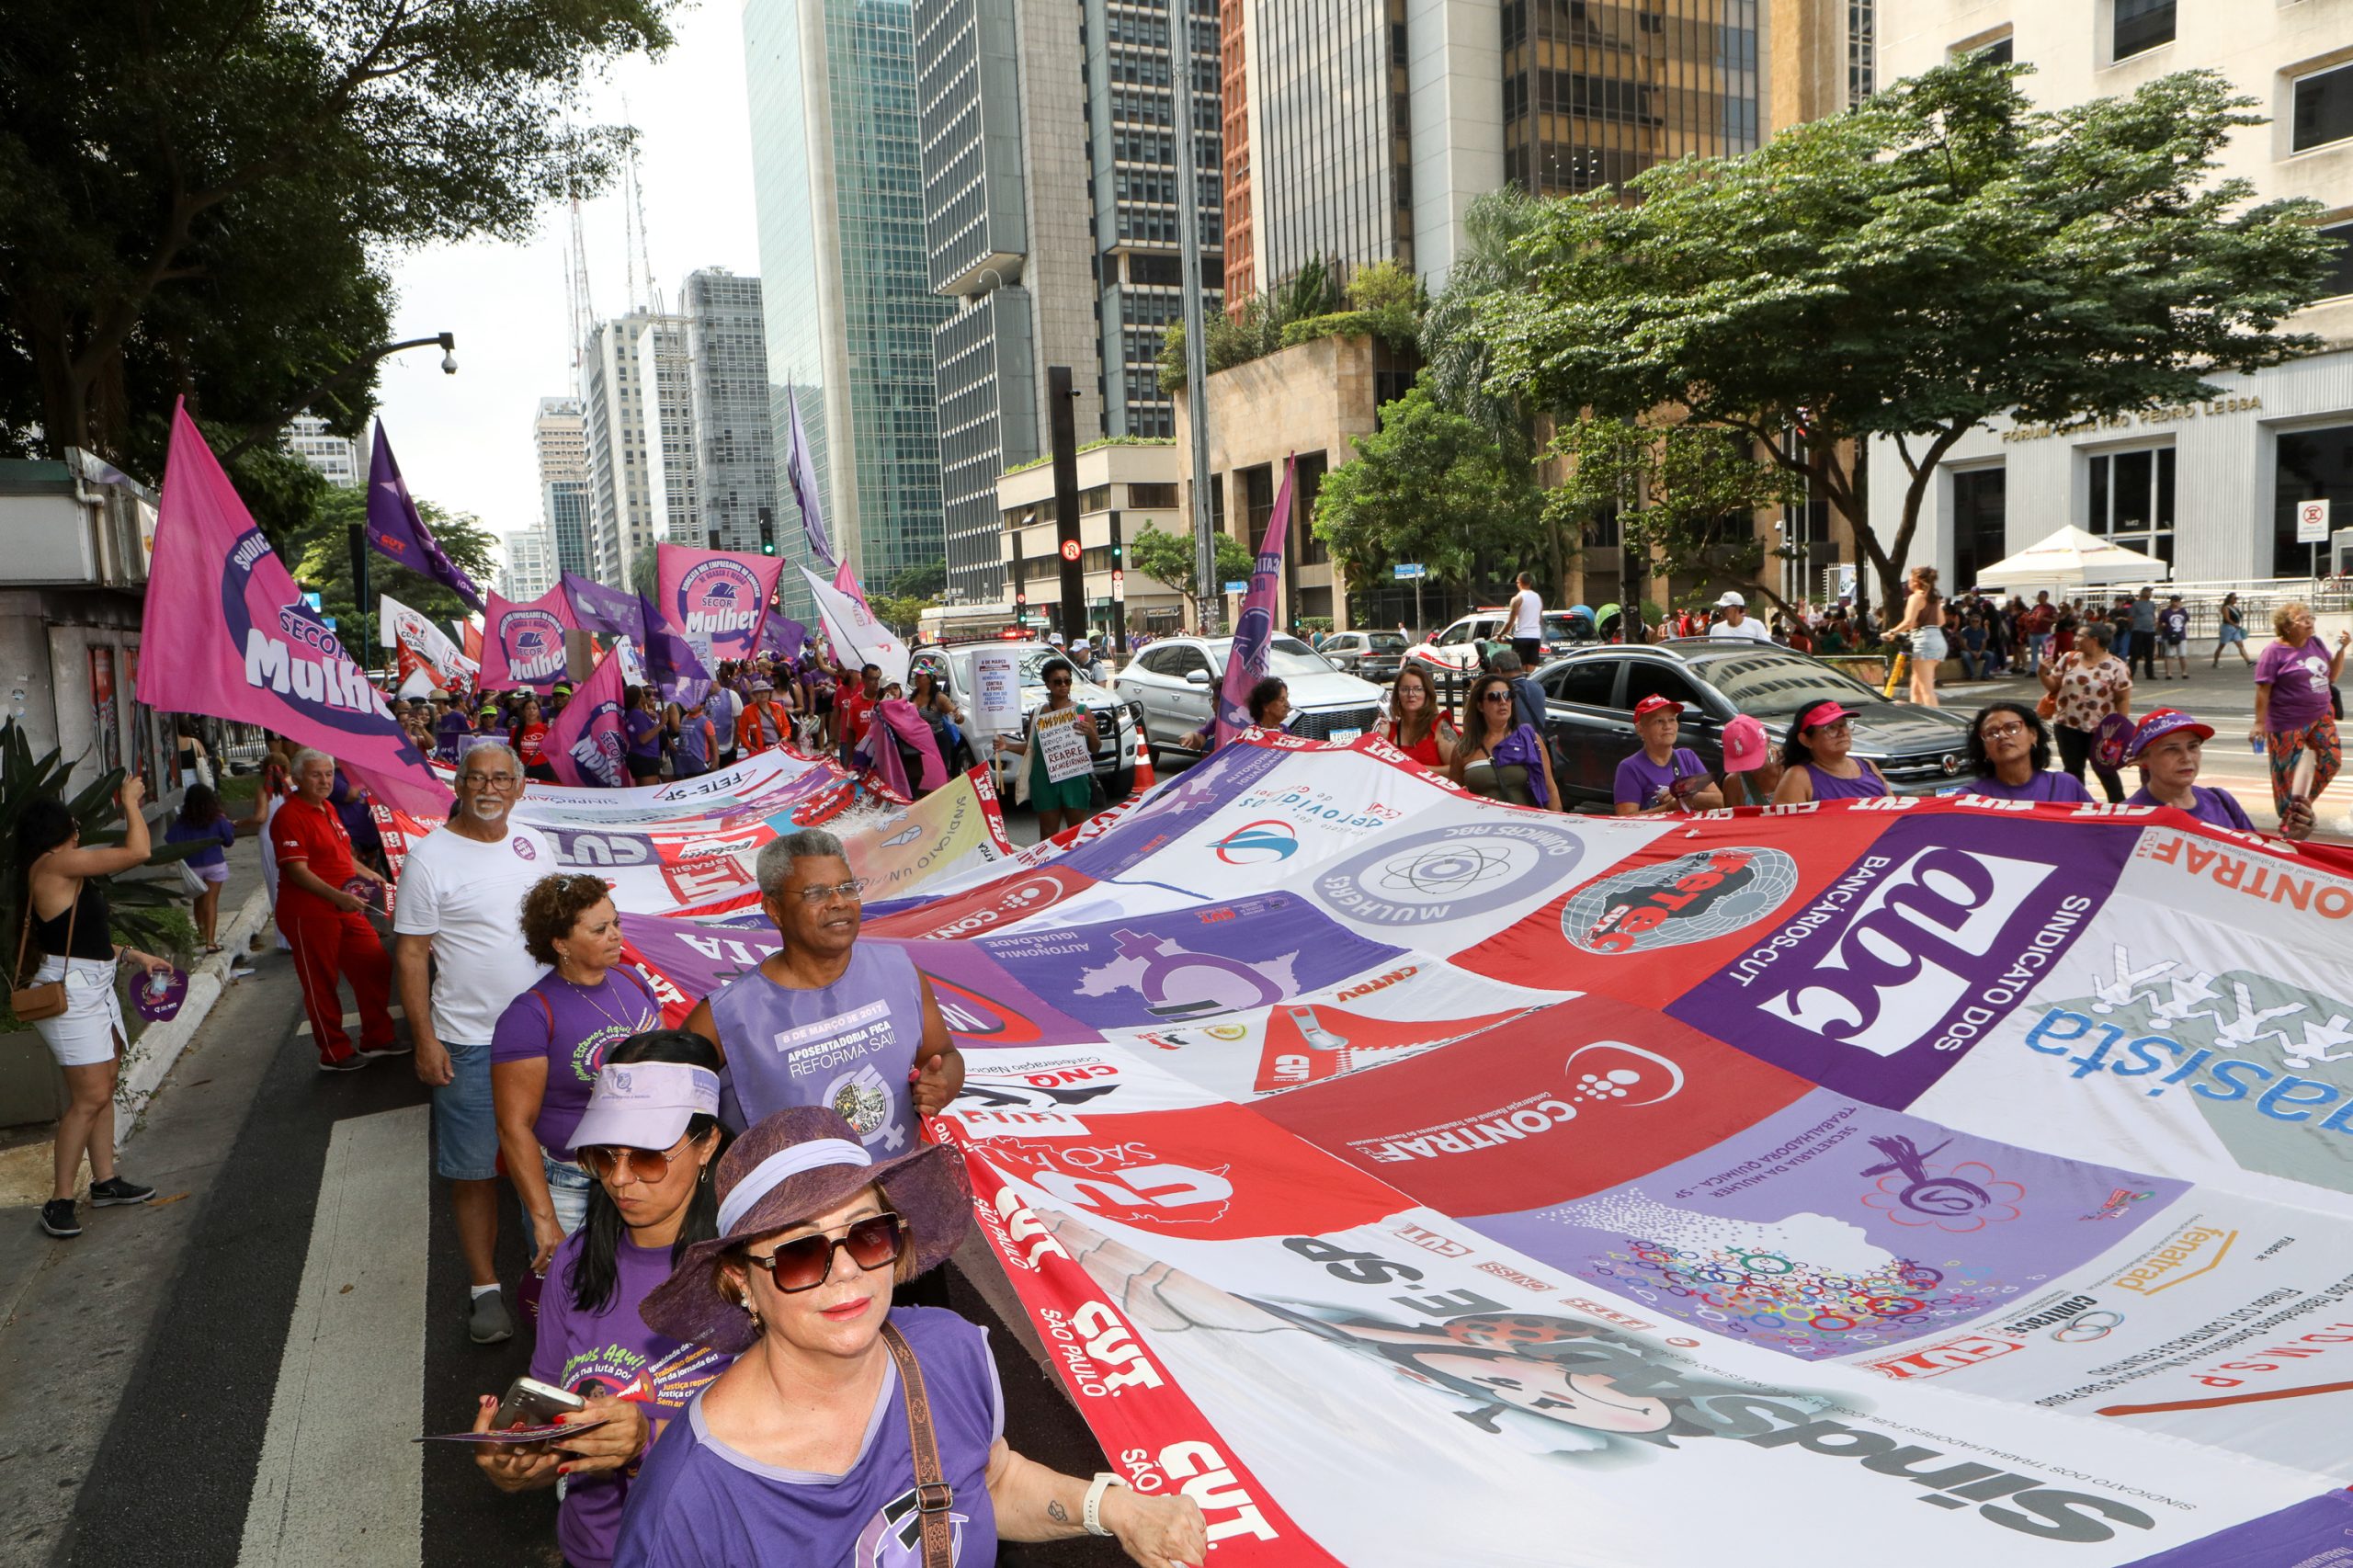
(585, 744)
(845, 580)
(715, 597)
(1254, 628)
(227, 634)
(524, 643)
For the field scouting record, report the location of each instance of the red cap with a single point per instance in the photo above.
(1822, 713)
(1656, 704)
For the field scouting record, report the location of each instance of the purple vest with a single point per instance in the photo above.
(1864, 786)
(849, 1046)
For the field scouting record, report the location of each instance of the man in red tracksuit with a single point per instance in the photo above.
(324, 924)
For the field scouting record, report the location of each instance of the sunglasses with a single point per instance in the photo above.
(1494, 696)
(647, 1164)
(803, 1262)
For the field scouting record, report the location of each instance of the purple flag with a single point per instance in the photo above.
(670, 661)
(608, 610)
(1254, 629)
(397, 532)
(782, 636)
(803, 475)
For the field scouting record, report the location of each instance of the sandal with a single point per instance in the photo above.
(213, 947)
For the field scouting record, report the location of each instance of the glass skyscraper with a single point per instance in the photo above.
(848, 302)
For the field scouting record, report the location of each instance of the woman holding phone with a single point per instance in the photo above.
(652, 1137)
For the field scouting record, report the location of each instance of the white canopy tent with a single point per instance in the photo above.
(2072, 559)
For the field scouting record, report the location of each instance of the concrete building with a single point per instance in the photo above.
(639, 425)
(2211, 487)
(335, 457)
(565, 534)
(838, 188)
(1123, 490)
(531, 568)
(735, 445)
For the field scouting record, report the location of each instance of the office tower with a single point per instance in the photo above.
(640, 446)
(559, 445)
(568, 526)
(850, 312)
(1233, 132)
(531, 565)
(1005, 177)
(728, 371)
(335, 457)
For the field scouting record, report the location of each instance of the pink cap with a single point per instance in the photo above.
(1745, 745)
(1822, 713)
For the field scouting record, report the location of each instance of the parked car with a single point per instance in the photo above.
(1174, 682)
(1457, 647)
(1375, 656)
(1589, 701)
(1117, 740)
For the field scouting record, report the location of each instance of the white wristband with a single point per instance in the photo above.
(1091, 1516)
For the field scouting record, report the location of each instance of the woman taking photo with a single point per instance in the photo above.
(801, 1451)
(1817, 760)
(1417, 725)
(65, 922)
(547, 1045)
(2293, 712)
(1924, 622)
(2009, 755)
(531, 742)
(1058, 805)
(651, 1133)
(201, 821)
(2086, 685)
(1497, 758)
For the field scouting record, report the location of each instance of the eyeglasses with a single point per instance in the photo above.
(487, 780)
(2004, 732)
(803, 1262)
(1058, 680)
(849, 890)
(1494, 696)
(644, 1165)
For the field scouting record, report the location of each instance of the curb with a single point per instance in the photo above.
(147, 1063)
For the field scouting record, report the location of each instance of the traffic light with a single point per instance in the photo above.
(768, 532)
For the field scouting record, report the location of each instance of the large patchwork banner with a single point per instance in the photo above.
(1413, 1179)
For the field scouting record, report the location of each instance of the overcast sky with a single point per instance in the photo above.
(465, 441)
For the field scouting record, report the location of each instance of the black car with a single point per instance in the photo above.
(1374, 656)
(1590, 698)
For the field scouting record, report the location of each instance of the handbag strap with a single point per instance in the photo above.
(24, 931)
(933, 1495)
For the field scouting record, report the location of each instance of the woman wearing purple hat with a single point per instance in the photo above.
(2168, 745)
(802, 1451)
(1816, 764)
(649, 1136)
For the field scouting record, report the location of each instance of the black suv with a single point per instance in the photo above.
(1590, 698)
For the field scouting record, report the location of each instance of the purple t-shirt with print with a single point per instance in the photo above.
(700, 1503)
(848, 1046)
(644, 734)
(611, 1347)
(2299, 681)
(2219, 808)
(1643, 783)
(572, 1026)
(2062, 788)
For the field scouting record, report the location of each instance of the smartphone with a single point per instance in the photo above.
(530, 1403)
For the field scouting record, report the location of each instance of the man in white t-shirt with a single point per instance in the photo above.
(1737, 621)
(1524, 620)
(457, 914)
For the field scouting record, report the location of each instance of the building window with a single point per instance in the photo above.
(2142, 26)
(2338, 280)
(1980, 516)
(1158, 497)
(2323, 108)
(2131, 500)
(2314, 465)
(1999, 52)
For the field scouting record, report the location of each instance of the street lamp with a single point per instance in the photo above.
(447, 341)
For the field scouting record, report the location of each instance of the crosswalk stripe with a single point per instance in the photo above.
(350, 1022)
(341, 1479)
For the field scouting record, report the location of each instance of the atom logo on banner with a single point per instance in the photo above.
(1449, 873)
(1693, 897)
(1257, 844)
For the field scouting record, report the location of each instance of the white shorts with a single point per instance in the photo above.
(216, 875)
(84, 1034)
(1928, 643)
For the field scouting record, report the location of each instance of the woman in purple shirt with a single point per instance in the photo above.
(1816, 763)
(547, 1046)
(2168, 745)
(652, 1134)
(2009, 752)
(2293, 712)
(645, 728)
(1662, 777)
(800, 1451)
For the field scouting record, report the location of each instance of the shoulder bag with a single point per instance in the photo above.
(33, 1002)
(933, 1496)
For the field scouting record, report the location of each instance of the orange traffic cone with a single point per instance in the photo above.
(1144, 779)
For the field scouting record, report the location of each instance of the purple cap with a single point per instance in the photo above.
(158, 996)
(645, 1105)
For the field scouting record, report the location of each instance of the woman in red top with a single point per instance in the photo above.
(1417, 725)
(530, 742)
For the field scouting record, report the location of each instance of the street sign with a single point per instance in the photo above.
(1238, 587)
(1406, 570)
(2311, 522)
(1070, 550)
(1118, 586)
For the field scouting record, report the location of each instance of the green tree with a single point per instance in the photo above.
(319, 555)
(1169, 557)
(1454, 347)
(1941, 256)
(197, 197)
(1430, 485)
(925, 582)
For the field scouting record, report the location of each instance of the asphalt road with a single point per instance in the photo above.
(233, 1375)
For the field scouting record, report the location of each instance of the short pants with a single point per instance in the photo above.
(568, 1189)
(465, 1125)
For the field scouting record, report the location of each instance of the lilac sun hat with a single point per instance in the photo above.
(791, 1167)
(645, 1105)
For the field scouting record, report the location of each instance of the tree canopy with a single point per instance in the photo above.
(197, 197)
(1169, 557)
(1945, 254)
(317, 550)
(1433, 486)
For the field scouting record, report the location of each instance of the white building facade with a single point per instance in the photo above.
(531, 565)
(2212, 487)
(639, 416)
(335, 457)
